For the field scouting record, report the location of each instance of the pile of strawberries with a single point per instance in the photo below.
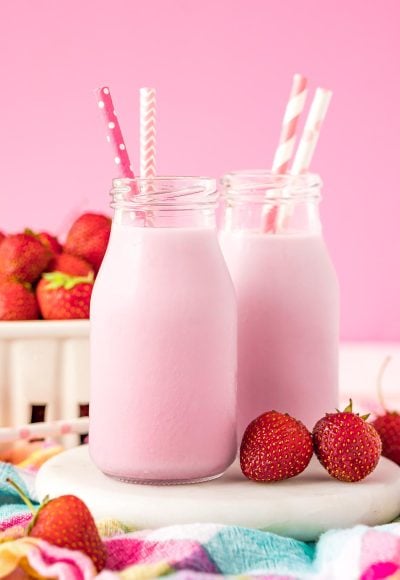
(40, 278)
(275, 446)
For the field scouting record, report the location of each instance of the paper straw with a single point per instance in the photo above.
(287, 140)
(147, 133)
(47, 429)
(311, 132)
(114, 133)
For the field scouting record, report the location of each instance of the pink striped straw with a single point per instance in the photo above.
(114, 133)
(311, 132)
(147, 133)
(287, 139)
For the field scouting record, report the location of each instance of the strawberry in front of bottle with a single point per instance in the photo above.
(66, 522)
(346, 445)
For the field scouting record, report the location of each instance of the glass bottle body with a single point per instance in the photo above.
(288, 296)
(163, 339)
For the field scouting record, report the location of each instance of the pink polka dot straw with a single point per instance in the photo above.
(47, 429)
(114, 133)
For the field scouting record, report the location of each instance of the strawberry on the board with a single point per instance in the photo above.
(275, 446)
(88, 238)
(17, 301)
(388, 424)
(70, 264)
(23, 257)
(66, 522)
(50, 241)
(388, 427)
(346, 445)
(63, 297)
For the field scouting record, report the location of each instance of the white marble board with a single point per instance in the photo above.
(302, 507)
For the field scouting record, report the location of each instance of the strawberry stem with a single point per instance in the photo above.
(379, 381)
(25, 499)
(349, 408)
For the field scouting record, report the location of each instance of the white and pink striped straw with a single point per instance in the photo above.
(114, 133)
(287, 139)
(311, 132)
(46, 429)
(147, 133)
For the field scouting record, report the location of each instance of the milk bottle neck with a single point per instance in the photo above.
(165, 202)
(272, 204)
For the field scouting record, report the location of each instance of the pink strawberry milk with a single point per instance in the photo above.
(163, 337)
(287, 292)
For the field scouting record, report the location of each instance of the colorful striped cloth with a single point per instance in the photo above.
(195, 552)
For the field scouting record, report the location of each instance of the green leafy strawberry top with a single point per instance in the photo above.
(57, 280)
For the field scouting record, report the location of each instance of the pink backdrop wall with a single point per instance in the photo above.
(222, 69)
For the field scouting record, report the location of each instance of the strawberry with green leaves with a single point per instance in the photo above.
(66, 522)
(64, 297)
(346, 445)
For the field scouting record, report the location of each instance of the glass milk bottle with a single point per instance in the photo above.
(288, 296)
(163, 337)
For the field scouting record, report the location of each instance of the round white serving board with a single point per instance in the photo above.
(302, 507)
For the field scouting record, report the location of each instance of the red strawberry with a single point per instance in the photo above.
(346, 445)
(388, 427)
(17, 301)
(388, 424)
(63, 297)
(71, 265)
(2, 236)
(23, 257)
(66, 522)
(275, 446)
(50, 242)
(88, 238)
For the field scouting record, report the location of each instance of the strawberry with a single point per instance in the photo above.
(88, 238)
(275, 446)
(66, 522)
(346, 445)
(388, 424)
(2, 236)
(63, 297)
(71, 265)
(388, 427)
(23, 257)
(17, 301)
(50, 242)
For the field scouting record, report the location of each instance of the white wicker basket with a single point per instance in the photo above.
(44, 367)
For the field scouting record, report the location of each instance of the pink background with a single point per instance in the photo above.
(222, 69)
